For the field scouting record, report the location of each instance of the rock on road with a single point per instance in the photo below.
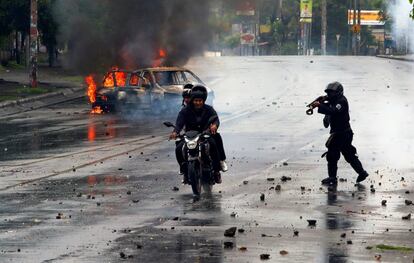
(82, 188)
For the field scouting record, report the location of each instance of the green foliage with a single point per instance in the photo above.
(13, 65)
(48, 27)
(412, 11)
(232, 41)
(285, 31)
(8, 97)
(338, 24)
(289, 48)
(32, 91)
(395, 248)
(14, 15)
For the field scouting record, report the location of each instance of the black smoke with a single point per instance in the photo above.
(129, 33)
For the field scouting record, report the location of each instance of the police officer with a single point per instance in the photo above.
(336, 111)
(195, 116)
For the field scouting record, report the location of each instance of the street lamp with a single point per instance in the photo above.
(338, 36)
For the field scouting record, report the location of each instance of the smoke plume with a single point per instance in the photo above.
(403, 25)
(131, 33)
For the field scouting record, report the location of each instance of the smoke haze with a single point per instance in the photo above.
(130, 33)
(403, 25)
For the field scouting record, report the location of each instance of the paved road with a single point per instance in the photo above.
(110, 178)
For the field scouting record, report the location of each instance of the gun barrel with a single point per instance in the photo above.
(309, 111)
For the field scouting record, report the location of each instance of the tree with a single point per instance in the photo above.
(15, 17)
(285, 30)
(48, 28)
(412, 11)
(337, 24)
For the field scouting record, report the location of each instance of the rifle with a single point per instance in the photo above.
(311, 106)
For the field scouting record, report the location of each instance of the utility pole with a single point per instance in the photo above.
(306, 25)
(354, 41)
(338, 36)
(349, 28)
(324, 27)
(279, 9)
(359, 26)
(34, 33)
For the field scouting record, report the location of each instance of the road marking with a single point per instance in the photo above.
(80, 152)
(157, 140)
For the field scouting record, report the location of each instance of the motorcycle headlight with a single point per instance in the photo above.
(192, 144)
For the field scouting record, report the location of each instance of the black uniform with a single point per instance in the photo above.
(340, 141)
(198, 120)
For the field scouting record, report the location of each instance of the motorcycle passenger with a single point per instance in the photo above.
(336, 111)
(187, 94)
(195, 117)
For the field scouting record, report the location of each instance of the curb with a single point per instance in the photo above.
(9, 108)
(39, 97)
(396, 58)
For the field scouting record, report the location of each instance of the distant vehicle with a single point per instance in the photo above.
(158, 89)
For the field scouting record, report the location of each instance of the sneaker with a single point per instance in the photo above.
(185, 181)
(329, 181)
(362, 176)
(223, 166)
(217, 177)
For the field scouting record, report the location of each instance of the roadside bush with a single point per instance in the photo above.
(289, 48)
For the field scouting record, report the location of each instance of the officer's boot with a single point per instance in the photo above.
(362, 176)
(357, 165)
(332, 170)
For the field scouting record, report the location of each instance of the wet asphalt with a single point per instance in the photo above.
(76, 187)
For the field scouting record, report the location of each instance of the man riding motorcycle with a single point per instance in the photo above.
(195, 116)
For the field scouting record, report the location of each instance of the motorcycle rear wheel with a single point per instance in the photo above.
(207, 188)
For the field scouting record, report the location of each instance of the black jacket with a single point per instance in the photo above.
(195, 120)
(338, 112)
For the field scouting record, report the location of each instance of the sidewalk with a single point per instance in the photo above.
(409, 58)
(55, 86)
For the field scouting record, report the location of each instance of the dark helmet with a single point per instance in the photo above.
(186, 92)
(199, 92)
(188, 86)
(334, 89)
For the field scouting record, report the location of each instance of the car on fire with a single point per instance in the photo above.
(158, 89)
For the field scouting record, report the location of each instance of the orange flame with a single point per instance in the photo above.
(109, 81)
(162, 53)
(120, 78)
(97, 110)
(159, 60)
(91, 92)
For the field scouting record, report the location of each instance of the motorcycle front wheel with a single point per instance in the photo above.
(195, 177)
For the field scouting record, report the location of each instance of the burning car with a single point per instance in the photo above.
(158, 89)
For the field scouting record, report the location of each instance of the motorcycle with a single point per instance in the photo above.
(198, 160)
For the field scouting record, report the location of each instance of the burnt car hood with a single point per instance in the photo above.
(177, 89)
(173, 89)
